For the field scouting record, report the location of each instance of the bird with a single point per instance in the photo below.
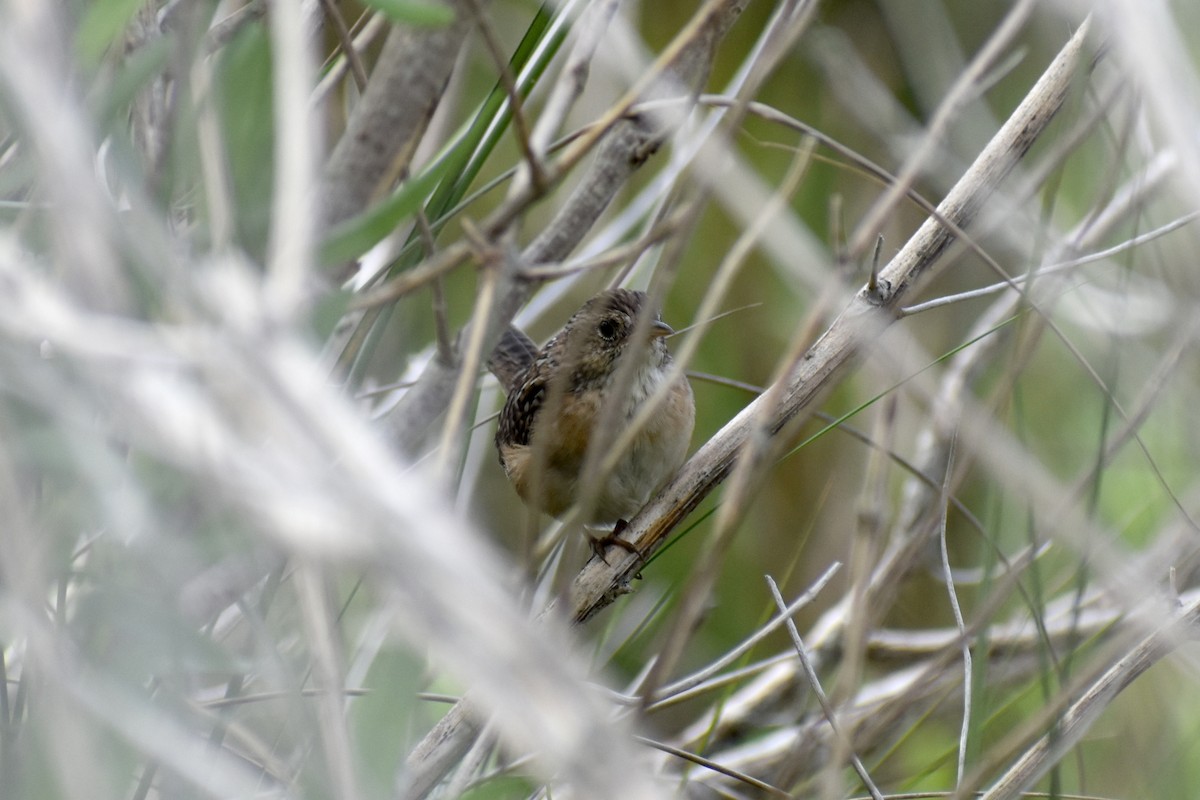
(556, 395)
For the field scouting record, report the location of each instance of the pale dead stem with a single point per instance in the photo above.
(869, 540)
(293, 212)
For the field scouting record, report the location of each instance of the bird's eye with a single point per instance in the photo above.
(607, 330)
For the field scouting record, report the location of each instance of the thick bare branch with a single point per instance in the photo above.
(388, 121)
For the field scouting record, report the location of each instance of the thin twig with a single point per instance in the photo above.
(1057, 268)
(515, 104)
(705, 572)
(948, 576)
(334, 70)
(346, 43)
(667, 693)
(815, 683)
(709, 764)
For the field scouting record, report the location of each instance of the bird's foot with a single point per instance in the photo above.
(613, 537)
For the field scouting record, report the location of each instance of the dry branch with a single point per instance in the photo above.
(382, 134)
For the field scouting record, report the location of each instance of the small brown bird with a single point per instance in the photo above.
(577, 368)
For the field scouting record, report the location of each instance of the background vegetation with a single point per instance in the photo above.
(255, 541)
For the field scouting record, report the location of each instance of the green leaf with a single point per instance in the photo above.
(460, 163)
(409, 12)
(493, 117)
(244, 90)
(383, 721)
(328, 312)
(131, 76)
(463, 159)
(357, 235)
(103, 24)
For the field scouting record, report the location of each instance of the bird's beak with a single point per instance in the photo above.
(660, 329)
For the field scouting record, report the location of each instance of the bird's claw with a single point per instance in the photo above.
(613, 537)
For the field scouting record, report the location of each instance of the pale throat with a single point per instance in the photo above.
(651, 372)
